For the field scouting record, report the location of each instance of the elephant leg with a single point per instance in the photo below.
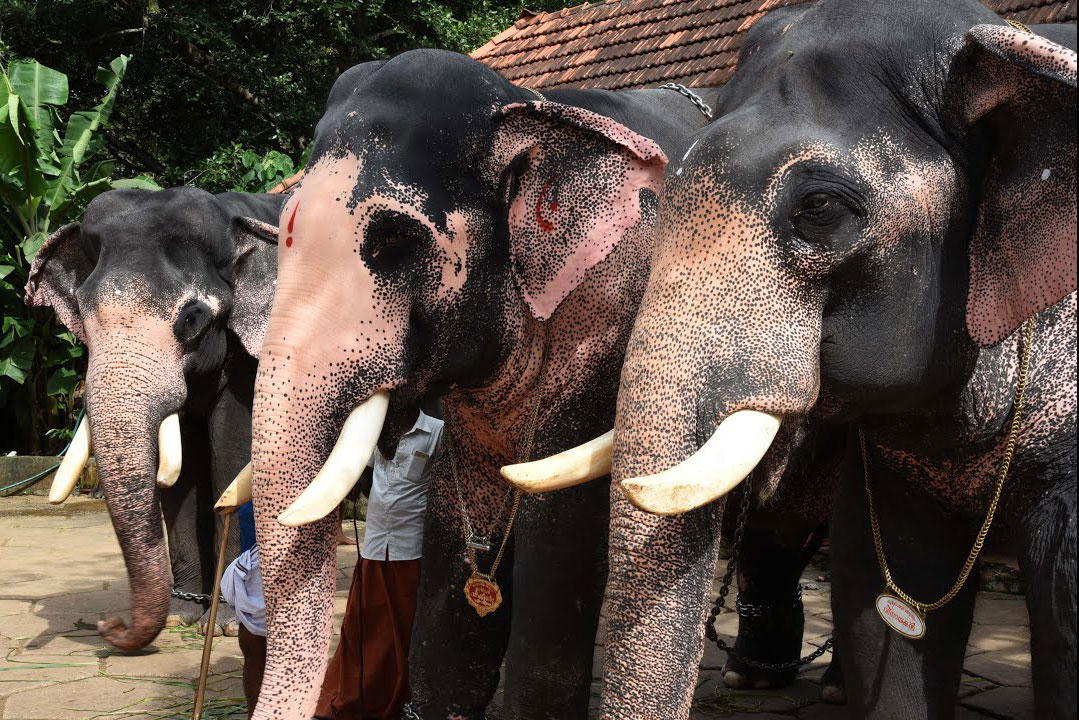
(770, 615)
(1047, 558)
(179, 506)
(885, 674)
(230, 449)
(560, 570)
(455, 654)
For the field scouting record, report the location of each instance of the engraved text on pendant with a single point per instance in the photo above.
(900, 616)
(483, 595)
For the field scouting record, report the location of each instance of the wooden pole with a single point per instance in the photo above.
(208, 642)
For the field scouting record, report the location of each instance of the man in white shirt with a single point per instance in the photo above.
(368, 674)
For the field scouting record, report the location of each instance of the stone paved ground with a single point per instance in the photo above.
(61, 571)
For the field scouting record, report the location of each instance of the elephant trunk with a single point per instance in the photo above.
(718, 358)
(125, 414)
(661, 567)
(298, 563)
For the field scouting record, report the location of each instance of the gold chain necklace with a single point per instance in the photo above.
(899, 610)
(481, 590)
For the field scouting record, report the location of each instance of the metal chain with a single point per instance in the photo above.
(693, 97)
(745, 609)
(523, 456)
(724, 590)
(190, 596)
(1002, 476)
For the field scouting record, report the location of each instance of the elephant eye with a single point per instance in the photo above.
(816, 205)
(390, 239)
(193, 320)
(818, 213)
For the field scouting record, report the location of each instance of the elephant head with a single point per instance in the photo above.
(160, 287)
(869, 200)
(443, 212)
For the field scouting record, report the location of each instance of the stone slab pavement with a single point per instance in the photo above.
(61, 571)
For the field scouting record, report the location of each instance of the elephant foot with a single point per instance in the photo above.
(766, 634)
(832, 689)
(226, 623)
(184, 612)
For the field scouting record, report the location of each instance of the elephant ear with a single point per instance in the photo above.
(1021, 99)
(254, 276)
(60, 267)
(574, 192)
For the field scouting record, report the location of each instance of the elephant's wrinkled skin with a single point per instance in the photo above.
(888, 194)
(170, 292)
(449, 228)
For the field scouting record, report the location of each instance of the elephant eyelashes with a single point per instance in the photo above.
(818, 214)
(192, 322)
(391, 238)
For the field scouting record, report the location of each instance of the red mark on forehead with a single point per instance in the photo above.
(291, 222)
(545, 225)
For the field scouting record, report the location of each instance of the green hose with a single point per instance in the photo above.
(43, 473)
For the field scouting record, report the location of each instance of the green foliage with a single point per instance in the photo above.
(47, 175)
(234, 168)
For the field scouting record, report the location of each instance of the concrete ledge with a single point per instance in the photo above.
(14, 468)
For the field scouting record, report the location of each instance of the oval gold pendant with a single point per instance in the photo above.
(482, 594)
(900, 616)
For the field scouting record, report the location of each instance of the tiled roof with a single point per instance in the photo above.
(634, 43)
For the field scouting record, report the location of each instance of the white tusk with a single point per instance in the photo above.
(566, 469)
(169, 452)
(732, 452)
(343, 467)
(71, 467)
(237, 493)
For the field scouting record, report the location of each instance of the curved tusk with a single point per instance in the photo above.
(169, 452)
(71, 467)
(566, 469)
(343, 467)
(236, 494)
(732, 452)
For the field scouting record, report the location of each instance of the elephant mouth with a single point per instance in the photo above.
(169, 453)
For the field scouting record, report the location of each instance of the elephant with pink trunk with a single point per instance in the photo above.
(455, 236)
(858, 241)
(170, 292)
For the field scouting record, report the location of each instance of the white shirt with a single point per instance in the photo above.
(398, 499)
(241, 586)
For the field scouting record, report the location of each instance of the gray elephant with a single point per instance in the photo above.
(170, 292)
(860, 238)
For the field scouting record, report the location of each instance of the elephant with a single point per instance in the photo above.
(455, 236)
(170, 291)
(858, 240)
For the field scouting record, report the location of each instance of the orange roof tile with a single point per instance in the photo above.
(634, 43)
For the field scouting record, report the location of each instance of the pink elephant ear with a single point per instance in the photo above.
(1021, 107)
(574, 193)
(254, 277)
(60, 267)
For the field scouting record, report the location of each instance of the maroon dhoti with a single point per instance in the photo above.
(368, 675)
